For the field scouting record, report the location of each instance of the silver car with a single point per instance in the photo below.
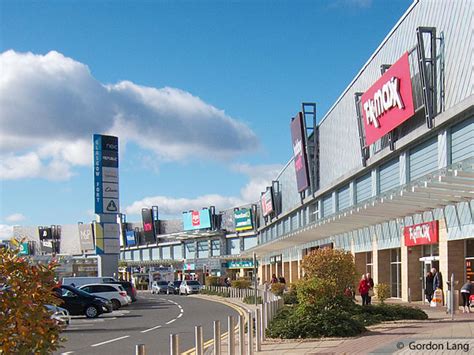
(188, 287)
(60, 315)
(159, 287)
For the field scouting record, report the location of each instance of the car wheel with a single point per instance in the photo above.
(116, 304)
(92, 312)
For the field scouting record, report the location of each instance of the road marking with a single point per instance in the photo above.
(171, 321)
(149, 330)
(67, 352)
(180, 315)
(155, 306)
(110, 341)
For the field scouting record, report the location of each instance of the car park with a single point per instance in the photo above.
(79, 302)
(173, 287)
(189, 286)
(159, 287)
(115, 293)
(129, 288)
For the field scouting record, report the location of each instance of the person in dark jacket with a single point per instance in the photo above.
(437, 279)
(429, 286)
(370, 281)
(466, 291)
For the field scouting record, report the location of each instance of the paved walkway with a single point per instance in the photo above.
(437, 335)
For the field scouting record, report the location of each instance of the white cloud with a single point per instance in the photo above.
(51, 105)
(260, 176)
(16, 217)
(6, 232)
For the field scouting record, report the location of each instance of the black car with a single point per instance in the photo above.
(173, 287)
(78, 302)
(128, 286)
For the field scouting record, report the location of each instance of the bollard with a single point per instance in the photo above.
(217, 337)
(199, 350)
(409, 295)
(174, 344)
(241, 334)
(265, 316)
(258, 330)
(140, 349)
(249, 333)
(230, 336)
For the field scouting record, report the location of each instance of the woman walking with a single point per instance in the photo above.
(364, 288)
(466, 291)
(429, 286)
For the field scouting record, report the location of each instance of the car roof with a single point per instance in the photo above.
(99, 284)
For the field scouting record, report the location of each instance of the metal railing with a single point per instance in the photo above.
(238, 339)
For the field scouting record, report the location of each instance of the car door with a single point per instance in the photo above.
(72, 302)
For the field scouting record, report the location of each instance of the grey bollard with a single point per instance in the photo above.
(241, 334)
(230, 336)
(249, 333)
(217, 337)
(174, 344)
(265, 315)
(258, 330)
(199, 350)
(140, 349)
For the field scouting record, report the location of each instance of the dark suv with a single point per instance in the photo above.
(78, 302)
(128, 286)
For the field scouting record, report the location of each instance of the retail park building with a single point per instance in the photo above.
(387, 174)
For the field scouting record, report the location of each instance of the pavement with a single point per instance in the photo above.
(438, 335)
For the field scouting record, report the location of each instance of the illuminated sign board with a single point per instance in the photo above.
(243, 219)
(267, 202)
(194, 220)
(299, 152)
(421, 234)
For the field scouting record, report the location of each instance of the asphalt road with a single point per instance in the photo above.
(148, 321)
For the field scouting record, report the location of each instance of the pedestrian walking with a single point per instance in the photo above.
(364, 289)
(466, 291)
(370, 281)
(429, 286)
(274, 279)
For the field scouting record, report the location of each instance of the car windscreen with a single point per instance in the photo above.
(193, 283)
(177, 283)
(162, 283)
(77, 292)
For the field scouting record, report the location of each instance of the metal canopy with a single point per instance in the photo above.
(444, 187)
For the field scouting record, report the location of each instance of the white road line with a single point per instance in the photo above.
(180, 315)
(149, 330)
(110, 341)
(67, 352)
(179, 306)
(171, 321)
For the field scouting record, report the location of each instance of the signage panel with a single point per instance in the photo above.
(148, 230)
(106, 162)
(421, 234)
(299, 152)
(240, 264)
(389, 102)
(24, 249)
(86, 237)
(243, 219)
(45, 233)
(195, 220)
(130, 238)
(267, 202)
(111, 245)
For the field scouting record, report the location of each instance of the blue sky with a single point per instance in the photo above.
(200, 92)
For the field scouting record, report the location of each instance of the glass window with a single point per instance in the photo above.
(136, 255)
(250, 242)
(155, 254)
(146, 254)
(215, 247)
(203, 249)
(189, 250)
(128, 255)
(395, 273)
(177, 252)
(470, 248)
(166, 253)
(233, 246)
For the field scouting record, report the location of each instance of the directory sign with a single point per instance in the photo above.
(106, 181)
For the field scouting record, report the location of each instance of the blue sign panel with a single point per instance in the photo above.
(195, 220)
(130, 238)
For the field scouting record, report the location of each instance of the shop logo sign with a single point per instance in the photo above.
(388, 102)
(299, 152)
(421, 234)
(196, 221)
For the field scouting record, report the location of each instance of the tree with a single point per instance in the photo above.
(25, 323)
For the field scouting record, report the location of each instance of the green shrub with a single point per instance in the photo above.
(251, 299)
(277, 288)
(382, 291)
(213, 281)
(215, 293)
(290, 298)
(241, 283)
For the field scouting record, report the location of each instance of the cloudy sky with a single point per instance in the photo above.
(200, 95)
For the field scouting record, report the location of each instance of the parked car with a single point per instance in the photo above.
(188, 286)
(173, 287)
(159, 287)
(79, 302)
(59, 314)
(113, 292)
(87, 280)
(129, 288)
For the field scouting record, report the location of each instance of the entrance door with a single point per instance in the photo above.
(427, 263)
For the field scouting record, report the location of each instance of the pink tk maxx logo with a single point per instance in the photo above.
(195, 218)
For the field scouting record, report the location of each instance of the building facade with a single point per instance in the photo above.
(394, 158)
